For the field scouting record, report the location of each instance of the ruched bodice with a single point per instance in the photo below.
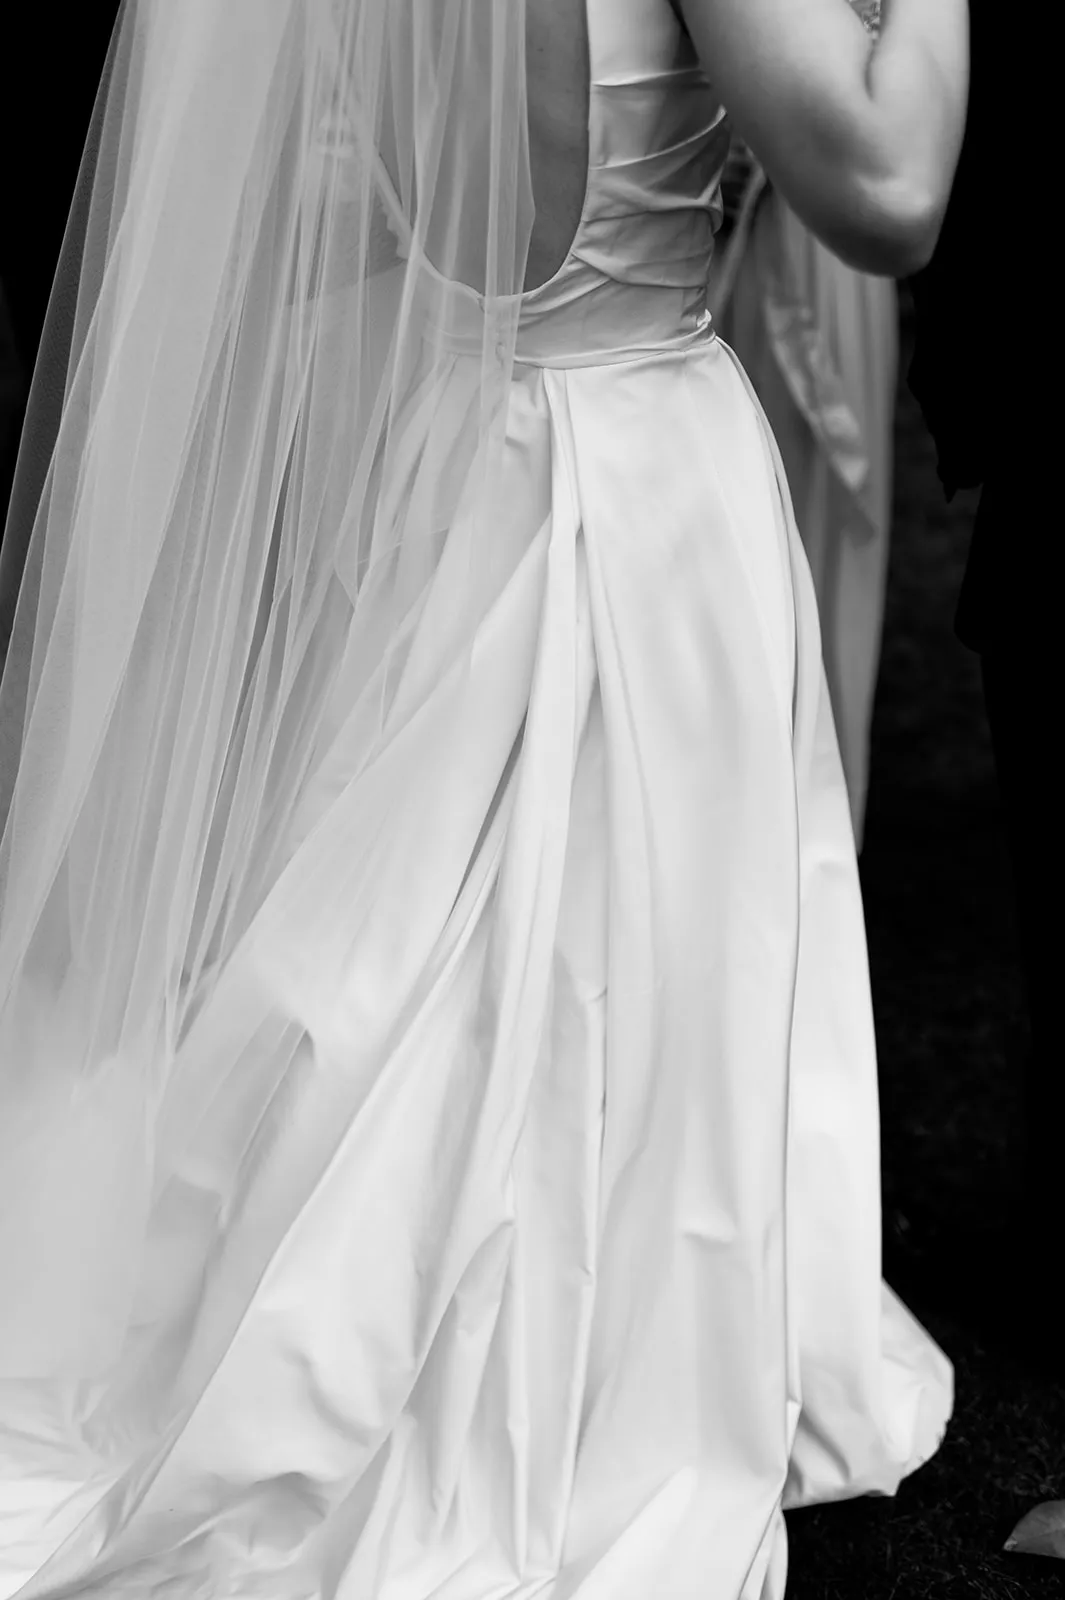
(635, 275)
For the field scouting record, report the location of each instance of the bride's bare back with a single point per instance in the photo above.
(558, 88)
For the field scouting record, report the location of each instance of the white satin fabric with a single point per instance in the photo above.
(549, 1265)
(820, 344)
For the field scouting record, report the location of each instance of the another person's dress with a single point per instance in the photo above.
(819, 342)
(534, 1247)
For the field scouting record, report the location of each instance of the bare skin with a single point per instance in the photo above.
(558, 83)
(861, 143)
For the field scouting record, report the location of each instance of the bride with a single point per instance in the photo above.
(438, 1112)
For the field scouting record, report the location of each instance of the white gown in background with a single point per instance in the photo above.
(547, 1263)
(819, 342)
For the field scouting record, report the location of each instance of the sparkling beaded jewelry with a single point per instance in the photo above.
(868, 13)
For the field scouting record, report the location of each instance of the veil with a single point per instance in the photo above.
(294, 268)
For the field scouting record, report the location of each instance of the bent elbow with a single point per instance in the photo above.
(882, 223)
(912, 232)
(893, 239)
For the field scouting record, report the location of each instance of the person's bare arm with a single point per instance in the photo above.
(860, 140)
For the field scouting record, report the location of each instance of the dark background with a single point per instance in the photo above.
(952, 1033)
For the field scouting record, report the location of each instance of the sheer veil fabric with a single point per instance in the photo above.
(299, 212)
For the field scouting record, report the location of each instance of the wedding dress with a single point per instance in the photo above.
(509, 1224)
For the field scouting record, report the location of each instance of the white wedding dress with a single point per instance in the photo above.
(534, 1248)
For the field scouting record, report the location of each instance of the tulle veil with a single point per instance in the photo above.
(293, 273)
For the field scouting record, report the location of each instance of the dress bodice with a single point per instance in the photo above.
(635, 275)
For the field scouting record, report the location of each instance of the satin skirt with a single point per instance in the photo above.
(534, 1248)
(820, 344)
